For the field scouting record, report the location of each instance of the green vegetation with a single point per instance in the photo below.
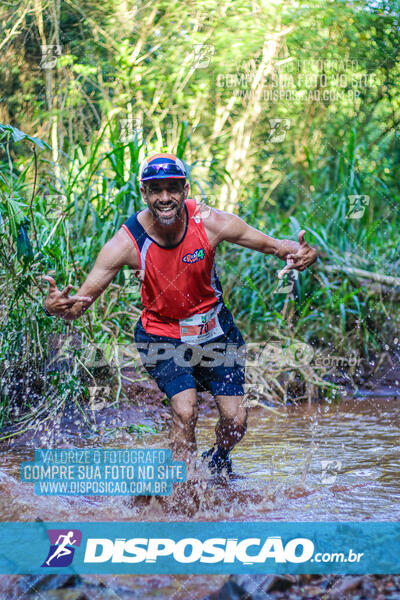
(206, 81)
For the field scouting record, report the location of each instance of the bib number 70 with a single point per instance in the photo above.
(204, 327)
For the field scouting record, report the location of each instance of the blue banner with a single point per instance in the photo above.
(195, 548)
(103, 472)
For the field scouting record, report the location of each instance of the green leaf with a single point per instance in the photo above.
(19, 135)
(24, 247)
(15, 214)
(343, 316)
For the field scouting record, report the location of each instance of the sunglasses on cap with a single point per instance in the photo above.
(169, 169)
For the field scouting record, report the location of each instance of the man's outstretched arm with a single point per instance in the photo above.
(228, 227)
(114, 255)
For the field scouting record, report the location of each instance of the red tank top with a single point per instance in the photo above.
(177, 282)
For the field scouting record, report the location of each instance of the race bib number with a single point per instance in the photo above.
(201, 327)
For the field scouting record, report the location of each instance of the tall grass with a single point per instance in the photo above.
(58, 228)
(334, 311)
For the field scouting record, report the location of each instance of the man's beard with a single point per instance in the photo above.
(177, 208)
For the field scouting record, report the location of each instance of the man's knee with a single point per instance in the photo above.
(184, 408)
(234, 412)
(184, 414)
(240, 418)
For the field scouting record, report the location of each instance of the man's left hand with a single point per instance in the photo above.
(304, 257)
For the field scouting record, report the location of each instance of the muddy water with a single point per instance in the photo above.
(318, 463)
(313, 463)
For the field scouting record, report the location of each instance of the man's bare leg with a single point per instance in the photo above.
(229, 430)
(232, 423)
(184, 419)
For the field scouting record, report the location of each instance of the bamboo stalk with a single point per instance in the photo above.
(361, 273)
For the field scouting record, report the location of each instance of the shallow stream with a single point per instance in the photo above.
(313, 463)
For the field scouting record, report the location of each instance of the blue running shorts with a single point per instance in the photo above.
(216, 366)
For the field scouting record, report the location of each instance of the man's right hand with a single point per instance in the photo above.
(60, 304)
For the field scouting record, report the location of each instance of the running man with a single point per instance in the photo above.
(186, 336)
(62, 549)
